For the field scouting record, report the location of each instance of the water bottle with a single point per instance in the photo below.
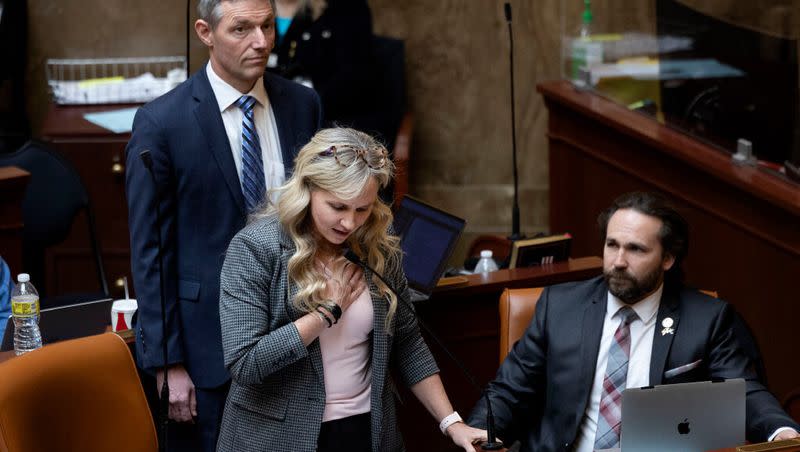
(485, 264)
(25, 311)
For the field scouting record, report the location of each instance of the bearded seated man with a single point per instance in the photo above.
(560, 387)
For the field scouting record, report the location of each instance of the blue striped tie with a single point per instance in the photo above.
(253, 184)
(614, 382)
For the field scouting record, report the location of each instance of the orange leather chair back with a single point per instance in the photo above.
(516, 311)
(79, 395)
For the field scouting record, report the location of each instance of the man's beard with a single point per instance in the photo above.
(627, 288)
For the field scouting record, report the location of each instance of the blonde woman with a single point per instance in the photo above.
(307, 336)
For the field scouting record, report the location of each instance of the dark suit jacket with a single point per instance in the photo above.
(542, 388)
(202, 208)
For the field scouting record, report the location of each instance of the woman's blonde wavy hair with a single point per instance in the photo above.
(371, 241)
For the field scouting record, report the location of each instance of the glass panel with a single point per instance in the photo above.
(724, 71)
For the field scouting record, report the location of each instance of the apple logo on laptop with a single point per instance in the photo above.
(683, 427)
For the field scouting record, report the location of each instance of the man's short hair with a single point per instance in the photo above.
(211, 10)
(674, 232)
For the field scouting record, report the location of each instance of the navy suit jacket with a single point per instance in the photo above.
(202, 208)
(542, 388)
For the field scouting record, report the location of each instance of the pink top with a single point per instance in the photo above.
(345, 359)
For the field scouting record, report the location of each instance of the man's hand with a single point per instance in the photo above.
(786, 434)
(182, 401)
(465, 436)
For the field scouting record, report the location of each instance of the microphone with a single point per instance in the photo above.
(515, 229)
(163, 408)
(491, 443)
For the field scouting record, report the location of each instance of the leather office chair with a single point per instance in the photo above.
(516, 311)
(54, 198)
(82, 394)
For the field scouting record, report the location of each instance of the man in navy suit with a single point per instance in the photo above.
(560, 387)
(218, 141)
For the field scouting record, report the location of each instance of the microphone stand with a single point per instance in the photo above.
(515, 229)
(163, 406)
(491, 443)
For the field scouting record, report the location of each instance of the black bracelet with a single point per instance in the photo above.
(325, 318)
(336, 311)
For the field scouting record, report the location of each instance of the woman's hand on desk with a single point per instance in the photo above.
(465, 436)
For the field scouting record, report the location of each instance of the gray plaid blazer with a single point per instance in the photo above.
(277, 393)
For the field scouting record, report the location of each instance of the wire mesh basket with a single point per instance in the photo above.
(113, 80)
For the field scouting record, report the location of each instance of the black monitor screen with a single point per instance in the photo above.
(428, 236)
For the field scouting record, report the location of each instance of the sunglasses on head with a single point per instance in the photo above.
(346, 155)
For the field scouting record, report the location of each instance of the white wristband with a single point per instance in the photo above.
(448, 421)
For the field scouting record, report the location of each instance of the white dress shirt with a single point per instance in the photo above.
(264, 119)
(642, 331)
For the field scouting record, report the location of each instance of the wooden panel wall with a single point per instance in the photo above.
(458, 78)
(457, 72)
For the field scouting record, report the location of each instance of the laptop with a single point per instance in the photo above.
(67, 322)
(684, 417)
(427, 236)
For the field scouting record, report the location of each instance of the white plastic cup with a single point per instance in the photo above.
(122, 314)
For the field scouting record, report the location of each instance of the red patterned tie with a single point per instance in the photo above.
(608, 420)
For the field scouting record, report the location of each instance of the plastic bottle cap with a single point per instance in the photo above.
(486, 253)
(23, 277)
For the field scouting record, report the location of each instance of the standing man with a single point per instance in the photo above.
(559, 388)
(218, 142)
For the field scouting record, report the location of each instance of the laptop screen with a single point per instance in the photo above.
(428, 236)
(685, 416)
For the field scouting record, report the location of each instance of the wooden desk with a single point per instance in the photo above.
(13, 182)
(99, 157)
(744, 222)
(466, 319)
(490, 284)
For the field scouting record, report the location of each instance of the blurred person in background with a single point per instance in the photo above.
(328, 45)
